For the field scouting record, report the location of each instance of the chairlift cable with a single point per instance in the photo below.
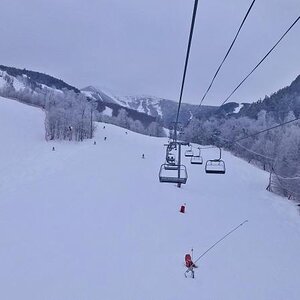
(227, 53)
(203, 148)
(257, 133)
(186, 64)
(225, 57)
(254, 152)
(261, 61)
(289, 178)
(251, 72)
(255, 68)
(265, 130)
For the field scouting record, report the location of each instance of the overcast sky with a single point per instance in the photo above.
(138, 46)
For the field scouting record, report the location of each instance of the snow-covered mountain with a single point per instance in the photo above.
(100, 95)
(30, 87)
(148, 109)
(163, 109)
(280, 104)
(22, 79)
(93, 222)
(145, 104)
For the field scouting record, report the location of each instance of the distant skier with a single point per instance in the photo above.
(105, 138)
(126, 132)
(143, 156)
(103, 127)
(190, 265)
(182, 208)
(53, 148)
(95, 142)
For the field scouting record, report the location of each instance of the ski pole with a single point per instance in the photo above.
(221, 239)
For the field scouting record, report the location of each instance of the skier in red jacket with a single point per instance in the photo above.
(189, 264)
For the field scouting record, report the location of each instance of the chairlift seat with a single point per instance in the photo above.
(196, 160)
(215, 166)
(171, 167)
(189, 153)
(168, 175)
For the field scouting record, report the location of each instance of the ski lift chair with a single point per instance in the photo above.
(196, 160)
(215, 166)
(171, 176)
(171, 167)
(189, 153)
(171, 163)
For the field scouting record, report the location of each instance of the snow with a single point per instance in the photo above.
(238, 108)
(88, 94)
(108, 111)
(141, 108)
(2, 82)
(142, 103)
(18, 85)
(92, 221)
(51, 88)
(109, 93)
(158, 108)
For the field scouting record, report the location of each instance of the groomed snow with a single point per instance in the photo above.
(92, 221)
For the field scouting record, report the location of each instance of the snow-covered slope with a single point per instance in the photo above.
(155, 107)
(17, 83)
(92, 221)
(147, 104)
(21, 79)
(101, 95)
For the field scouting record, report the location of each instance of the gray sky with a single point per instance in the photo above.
(138, 46)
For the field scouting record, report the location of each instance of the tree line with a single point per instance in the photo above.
(70, 115)
(276, 151)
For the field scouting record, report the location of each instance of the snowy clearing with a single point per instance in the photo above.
(92, 221)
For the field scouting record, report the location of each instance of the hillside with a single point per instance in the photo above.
(156, 107)
(34, 79)
(92, 221)
(36, 88)
(280, 104)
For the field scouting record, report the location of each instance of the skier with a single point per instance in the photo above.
(103, 127)
(53, 148)
(95, 143)
(182, 208)
(143, 156)
(190, 265)
(105, 138)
